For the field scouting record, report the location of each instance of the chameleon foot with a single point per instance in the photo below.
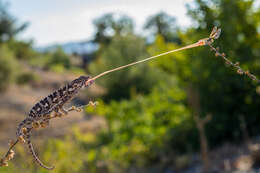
(58, 114)
(78, 109)
(94, 104)
(36, 125)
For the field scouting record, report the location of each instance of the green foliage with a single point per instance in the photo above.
(164, 25)
(224, 93)
(22, 50)
(123, 50)
(8, 66)
(110, 25)
(145, 130)
(26, 77)
(8, 24)
(57, 61)
(173, 64)
(58, 58)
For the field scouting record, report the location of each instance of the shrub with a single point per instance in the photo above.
(26, 77)
(59, 57)
(8, 67)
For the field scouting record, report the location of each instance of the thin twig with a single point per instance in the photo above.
(235, 65)
(11, 147)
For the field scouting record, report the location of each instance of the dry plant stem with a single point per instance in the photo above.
(11, 147)
(147, 59)
(235, 65)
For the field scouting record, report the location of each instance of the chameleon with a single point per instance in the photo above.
(41, 112)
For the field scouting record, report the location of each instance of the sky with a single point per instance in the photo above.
(60, 21)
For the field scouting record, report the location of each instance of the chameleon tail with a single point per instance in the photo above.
(30, 146)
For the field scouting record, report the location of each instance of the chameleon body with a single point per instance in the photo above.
(40, 113)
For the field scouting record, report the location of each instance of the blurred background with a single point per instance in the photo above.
(186, 112)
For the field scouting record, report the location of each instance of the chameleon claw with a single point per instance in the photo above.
(78, 109)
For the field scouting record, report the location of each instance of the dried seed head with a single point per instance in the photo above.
(217, 54)
(11, 142)
(3, 163)
(239, 71)
(236, 64)
(223, 54)
(10, 155)
(227, 63)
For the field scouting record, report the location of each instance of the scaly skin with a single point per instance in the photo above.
(40, 114)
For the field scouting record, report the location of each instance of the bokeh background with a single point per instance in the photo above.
(186, 112)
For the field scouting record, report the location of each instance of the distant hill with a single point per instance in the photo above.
(80, 47)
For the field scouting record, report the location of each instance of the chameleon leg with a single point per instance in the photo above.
(80, 108)
(45, 121)
(64, 111)
(74, 108)
(59, 113)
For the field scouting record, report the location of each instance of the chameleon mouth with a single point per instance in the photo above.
(89, 82)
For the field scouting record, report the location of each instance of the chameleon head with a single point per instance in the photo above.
(82, 81)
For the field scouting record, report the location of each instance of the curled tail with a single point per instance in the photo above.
(30, 146)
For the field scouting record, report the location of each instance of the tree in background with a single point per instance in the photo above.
(221, 92)
(58, 59)
(8, 24)
(164, 25)
(123, 50)
(8, 66)
(224, 93)
(111, 24)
